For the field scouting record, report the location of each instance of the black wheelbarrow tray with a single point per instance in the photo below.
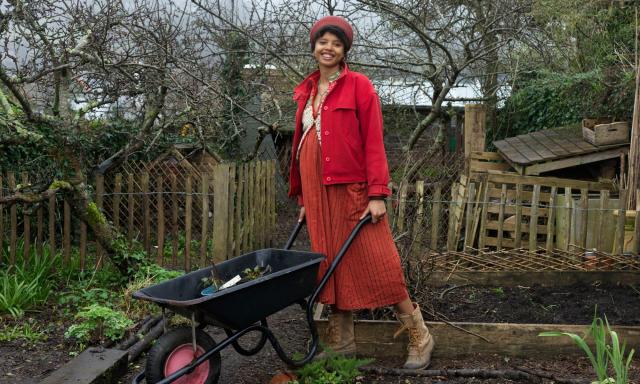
(190, 355)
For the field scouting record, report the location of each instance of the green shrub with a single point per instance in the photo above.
(335, 369)
(98, 323)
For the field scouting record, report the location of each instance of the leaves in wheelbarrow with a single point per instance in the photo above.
(253, 273)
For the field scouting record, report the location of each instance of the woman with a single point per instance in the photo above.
(339, 174)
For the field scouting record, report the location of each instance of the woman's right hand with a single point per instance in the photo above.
(301, 215)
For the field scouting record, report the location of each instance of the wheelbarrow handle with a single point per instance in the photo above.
(294, 234)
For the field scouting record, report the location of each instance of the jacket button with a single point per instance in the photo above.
(329, 178)
(326, 133)
(327, 158)
(325, 107)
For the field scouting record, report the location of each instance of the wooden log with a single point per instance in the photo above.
(551, 219)
(204, 194)
(221, 217)
(503, 202)
(26, 221)
(471, 196)
(435, 217)
(188, 207)
(518, 229)
(533, 223)
(131, 209)
(622, 211)
(117, 197)
(160, 198)
(174, 219)
(99, 205)
(146, 214)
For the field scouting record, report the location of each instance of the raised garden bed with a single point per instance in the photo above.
(503, 313)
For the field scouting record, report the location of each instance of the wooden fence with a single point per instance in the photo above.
(237, 209)
(501, 210)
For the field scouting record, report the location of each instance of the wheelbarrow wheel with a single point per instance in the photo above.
(174, 350)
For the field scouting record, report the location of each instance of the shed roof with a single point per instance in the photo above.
(553, 149)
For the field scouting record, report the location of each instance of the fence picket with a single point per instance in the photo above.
(205, 218)
(83, 245)
(246, 220)
(130, 209)
(252, 211)
(160, 235)
(417, 224)
(238, 210)
(188, 203)
(39, 230)
(533, 223)
(13, 212)
(435, 217)
(146, 212)
(66, 232)
(26, 221)
(231, 209)
(52, 225)
(99, 205)
(622, 215)
(604, 204)
(551, 218)
(568, 214)
(503, 202)
(117, 190)
(220, 201)
(584, 216)
(518, 231)
(174, 220)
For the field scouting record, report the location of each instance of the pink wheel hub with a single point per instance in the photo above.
(181, 357)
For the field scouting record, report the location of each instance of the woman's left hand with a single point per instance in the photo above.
(377, 209)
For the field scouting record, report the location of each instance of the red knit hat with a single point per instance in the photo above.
(335, 21)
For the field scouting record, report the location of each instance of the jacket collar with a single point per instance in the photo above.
(304, 88)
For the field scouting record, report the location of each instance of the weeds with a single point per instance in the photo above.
(99, 323)
(336, 369)
(604, 353)
(25, 331)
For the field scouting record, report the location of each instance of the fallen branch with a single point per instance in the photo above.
(551, 376)
(435, 315)
(509, 374)
(451, 289)
(145, 343)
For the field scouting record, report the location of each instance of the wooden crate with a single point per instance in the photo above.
(605, 134)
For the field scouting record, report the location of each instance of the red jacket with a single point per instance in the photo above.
(352, 146)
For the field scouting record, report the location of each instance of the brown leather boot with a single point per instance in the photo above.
(421, 342)
(341, 339)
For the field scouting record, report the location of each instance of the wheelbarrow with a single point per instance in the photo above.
(190, 355)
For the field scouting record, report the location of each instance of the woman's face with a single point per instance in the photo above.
(328, 51)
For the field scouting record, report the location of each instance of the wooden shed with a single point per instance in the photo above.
(556, 149)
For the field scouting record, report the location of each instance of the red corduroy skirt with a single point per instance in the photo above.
(370, 274)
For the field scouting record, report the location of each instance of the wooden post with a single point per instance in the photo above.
(518, 231)
(131, 209)
(604, 204)
(622, 215)
(99, 205)
(39, 231)
(469, 221)
(533, 223)
(188, 204)
(636, 226)
(584, 216)
(221, 217)
(26, 220)
(160, 194)
(231, 207)
(568, 201)
(66, 233)
(435, 217)
(417, 222)
(238, 210)
(13, 212)
(246, 221)
(146, 224)
(117, 190)
(205, 219)
(52, 225)
(503, 203)
(551, 218)
(174, 220)
(475, 120)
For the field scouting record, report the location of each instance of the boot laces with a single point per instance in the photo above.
(414, 337)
